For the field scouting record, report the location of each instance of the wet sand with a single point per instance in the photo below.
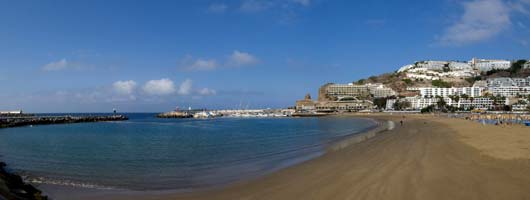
(426, 158)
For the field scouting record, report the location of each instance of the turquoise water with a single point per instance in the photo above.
(146, 153)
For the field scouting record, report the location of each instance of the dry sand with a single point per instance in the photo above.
(427, 158)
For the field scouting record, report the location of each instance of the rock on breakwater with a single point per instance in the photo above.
(42, 120)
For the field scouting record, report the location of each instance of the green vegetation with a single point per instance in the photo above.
(472, 80)
(407, 81)
(516, 70)
(428, 109)
(380, 102)
(360, 81)
(517, 66)
(401, 105)
(441, 84)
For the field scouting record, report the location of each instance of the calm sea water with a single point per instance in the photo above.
(146, 153)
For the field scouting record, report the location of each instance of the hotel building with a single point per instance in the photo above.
(487, 65)
(446, 92)
(331, 92)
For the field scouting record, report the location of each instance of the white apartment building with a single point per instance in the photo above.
(478, 103)
(352, 90)
(418, 103)
(501, 82)
(460, 66)
(446, 92)
(380, 90)
(509, 91)
(522, 82)
(486, 65)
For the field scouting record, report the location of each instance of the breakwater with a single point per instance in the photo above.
(13, 187)
(6, 122)
(175, 114)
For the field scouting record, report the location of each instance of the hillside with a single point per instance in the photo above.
(399, 81)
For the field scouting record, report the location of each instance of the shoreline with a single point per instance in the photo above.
(69, 192)
(429, 157)
(426, 158)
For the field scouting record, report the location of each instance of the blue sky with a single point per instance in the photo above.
(92, 56)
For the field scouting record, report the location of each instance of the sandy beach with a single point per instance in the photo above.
(426, 158)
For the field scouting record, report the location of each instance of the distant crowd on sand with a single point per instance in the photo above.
(496, 119)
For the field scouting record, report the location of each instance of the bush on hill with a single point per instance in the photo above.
(441, 84)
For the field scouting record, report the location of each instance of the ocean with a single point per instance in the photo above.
(150, 154)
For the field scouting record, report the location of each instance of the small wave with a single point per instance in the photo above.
(50, 181)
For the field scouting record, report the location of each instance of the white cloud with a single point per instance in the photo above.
(159, 87)
(185, 87)
(207, 91)
(55, 66)
(303, 2)
(217, 8)
(481, 20)
(124, 87)
(242, 58)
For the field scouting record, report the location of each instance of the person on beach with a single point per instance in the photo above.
(401, 122)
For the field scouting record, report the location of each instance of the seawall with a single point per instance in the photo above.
(43, 120)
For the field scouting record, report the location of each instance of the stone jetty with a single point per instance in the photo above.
(13, 187)
(174, 114)
(6, 122)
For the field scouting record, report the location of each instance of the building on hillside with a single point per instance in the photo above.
(418, 103)
(432, 64)
(379, 90)
(446, 92)
(344, 105)
(334, 92)
(522, 82)
(460, 66)
(509, 91)
(501, 82)
(487, 65)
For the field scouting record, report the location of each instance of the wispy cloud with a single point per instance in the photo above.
(200, 64)
(302, 2)
(56, 66)
(207, 91)
(217, 8)
(482, 20)
(65, 64)
(255, 5)
(239, 58)
(236, 59)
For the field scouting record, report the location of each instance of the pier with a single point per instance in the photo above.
(7, 121)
